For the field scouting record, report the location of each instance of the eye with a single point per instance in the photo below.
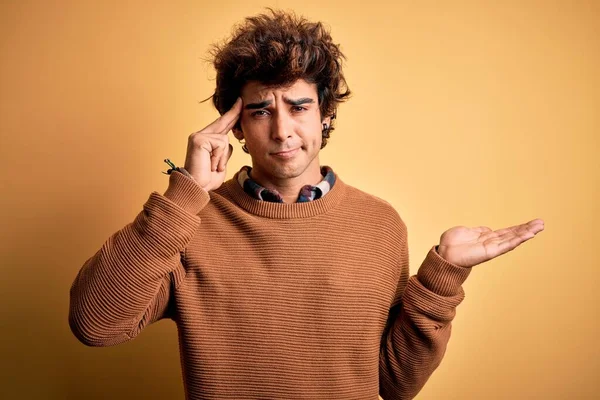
(299, 108)
(259, 113)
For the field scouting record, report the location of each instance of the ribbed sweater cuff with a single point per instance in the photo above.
(186, 193)
(440, 276)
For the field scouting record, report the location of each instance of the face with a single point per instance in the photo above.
(282, 130)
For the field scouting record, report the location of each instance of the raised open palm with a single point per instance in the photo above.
(468, 247)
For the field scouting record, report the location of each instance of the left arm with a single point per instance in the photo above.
(419, 323)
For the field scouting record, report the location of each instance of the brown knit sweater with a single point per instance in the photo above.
(274, 301)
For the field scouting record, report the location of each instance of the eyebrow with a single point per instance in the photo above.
(293, 102)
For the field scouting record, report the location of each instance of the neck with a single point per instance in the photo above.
(289, 188)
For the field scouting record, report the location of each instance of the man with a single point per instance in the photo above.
(284, 281)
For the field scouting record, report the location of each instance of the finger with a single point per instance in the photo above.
(536, 221)
(229, 126)
(217, 154)
(225, 122)
(203, 162)
(529, 229)
(535, 229)
(505, 240)
(514, 228)
(512, 243)
(515, 235)
(533, 225)
(498, 246)
(503, 231)
(225, 159)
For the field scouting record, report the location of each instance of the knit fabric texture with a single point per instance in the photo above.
(305, 300)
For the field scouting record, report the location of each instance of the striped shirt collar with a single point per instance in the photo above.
(307, 193)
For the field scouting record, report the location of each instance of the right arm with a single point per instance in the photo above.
(126, 285)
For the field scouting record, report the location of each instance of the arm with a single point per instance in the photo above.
(419, 323)
(127, 284)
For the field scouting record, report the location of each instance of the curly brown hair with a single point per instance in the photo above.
(276, 50)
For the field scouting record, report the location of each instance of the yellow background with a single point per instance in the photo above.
(464, 113)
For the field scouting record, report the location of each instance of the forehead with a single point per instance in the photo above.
(255, 90)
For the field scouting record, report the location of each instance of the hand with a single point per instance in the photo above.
(468, 247)
(209, 150)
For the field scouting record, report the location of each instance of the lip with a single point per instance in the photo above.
(286, 153)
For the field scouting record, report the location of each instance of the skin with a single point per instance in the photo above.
(282, 130)
(209, 150)
(467, 247)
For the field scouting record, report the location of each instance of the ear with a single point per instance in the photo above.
(237, 132)
(326, 120)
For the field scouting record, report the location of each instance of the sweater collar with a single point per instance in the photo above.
(274, 210)
(307, 193)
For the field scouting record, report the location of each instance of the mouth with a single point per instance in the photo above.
(286, 153)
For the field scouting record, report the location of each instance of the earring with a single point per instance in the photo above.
(243, 143)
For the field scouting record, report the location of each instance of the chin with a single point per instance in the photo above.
(287, 171)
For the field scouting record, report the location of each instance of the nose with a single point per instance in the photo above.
(281, 128)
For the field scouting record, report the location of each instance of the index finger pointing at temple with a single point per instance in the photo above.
(227, 121)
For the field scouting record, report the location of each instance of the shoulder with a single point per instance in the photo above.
(373, 208)
(356, 194)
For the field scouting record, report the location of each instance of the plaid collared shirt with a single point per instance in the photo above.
(307, 193)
